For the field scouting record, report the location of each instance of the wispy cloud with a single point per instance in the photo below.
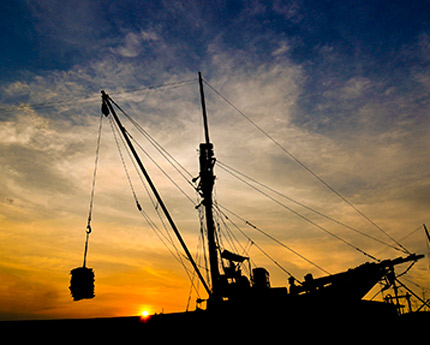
(133, 43)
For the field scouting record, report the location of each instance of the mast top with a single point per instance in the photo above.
(205, 116)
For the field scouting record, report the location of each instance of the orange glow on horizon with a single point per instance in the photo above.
(145, 315)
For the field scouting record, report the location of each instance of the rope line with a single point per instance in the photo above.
(182, 171)
(250, 240)
(226, 168)
(93, 188)
(304, 166)
(309, 220)
(139, 207)
(268, 236)
(95, 98)
(175, 253)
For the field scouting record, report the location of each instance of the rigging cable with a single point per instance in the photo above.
(170, 158)
(139, 207)
(202, 235)
(250, 240)
(194, 275)
(162, 151)
(93, 188)
(162, 170)
(267, 235)
(229, 235)
(304, 166)
(233, 171)
(308, 220)
(150, 222)
(80, 100)
(224, 167)
(154, 143)
(154, 203)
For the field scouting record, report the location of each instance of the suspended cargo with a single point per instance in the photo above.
(82, 283)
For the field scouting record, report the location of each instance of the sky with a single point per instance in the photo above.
(306, 97)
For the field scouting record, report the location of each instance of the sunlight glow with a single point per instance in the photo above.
(144, 315)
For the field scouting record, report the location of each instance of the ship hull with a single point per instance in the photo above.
(370, 321)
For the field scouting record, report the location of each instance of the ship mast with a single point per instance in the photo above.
(207, 180)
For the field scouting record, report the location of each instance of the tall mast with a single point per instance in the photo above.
(207, 180)
(205, 116)
(107, 102)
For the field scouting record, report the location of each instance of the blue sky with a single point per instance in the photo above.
(385, 42)
(45, 35)
(343, 86)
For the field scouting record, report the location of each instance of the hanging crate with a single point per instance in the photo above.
(82, 283)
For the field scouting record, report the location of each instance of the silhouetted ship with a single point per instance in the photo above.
(249, 305)
(235, 299)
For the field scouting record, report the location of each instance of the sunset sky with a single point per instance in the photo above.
(341, 87)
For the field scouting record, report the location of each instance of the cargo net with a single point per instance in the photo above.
(82, 283)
